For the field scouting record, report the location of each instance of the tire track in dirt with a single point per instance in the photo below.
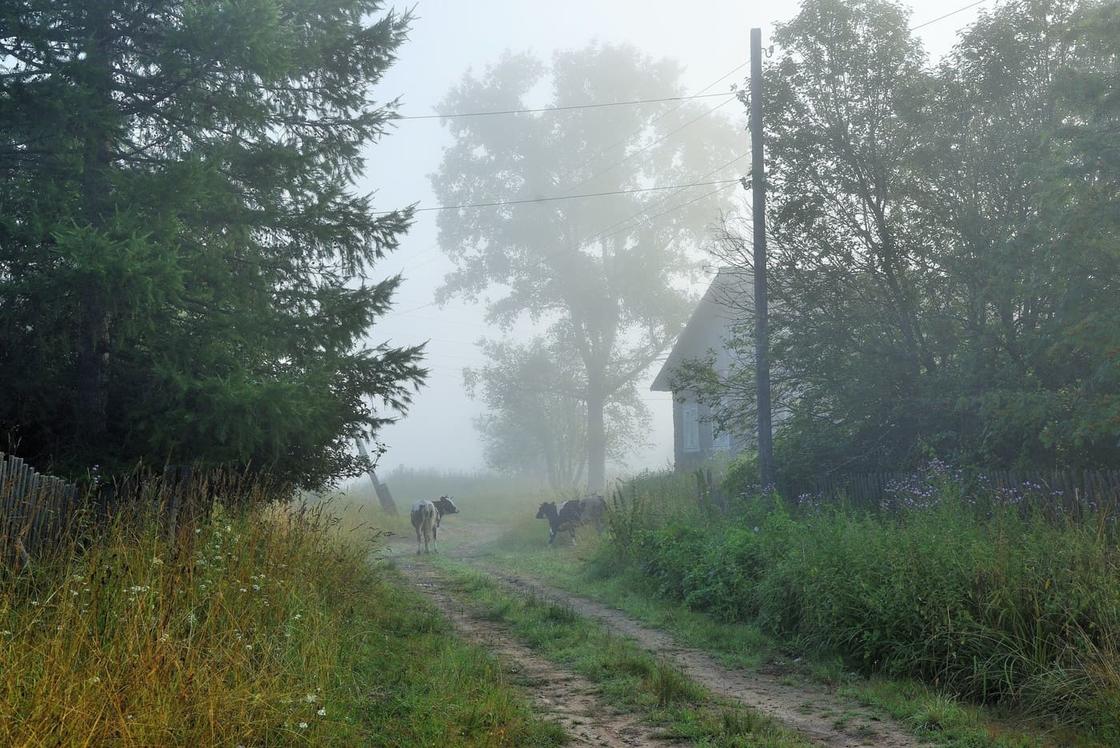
(559, 695)
(820, 716)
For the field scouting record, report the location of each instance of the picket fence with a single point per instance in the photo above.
(1058, 492)
(34, 508)
(38, 511)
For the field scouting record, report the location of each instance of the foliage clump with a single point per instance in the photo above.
(987, 600)
(943, 242)
(181, 234)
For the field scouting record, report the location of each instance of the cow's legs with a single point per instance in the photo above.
(417, 541)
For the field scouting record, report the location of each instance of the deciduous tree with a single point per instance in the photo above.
(603, 273)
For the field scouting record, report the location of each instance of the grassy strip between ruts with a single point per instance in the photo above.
(927, 712)
(627, 676)
(267, 627)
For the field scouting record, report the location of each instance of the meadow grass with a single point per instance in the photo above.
(591, 567)
(627, 676)
(942, 601)
(261, 627)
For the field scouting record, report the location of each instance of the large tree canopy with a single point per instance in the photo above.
(602, 272)
(945, 241)
(179, 233)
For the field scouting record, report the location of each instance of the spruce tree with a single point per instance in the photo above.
(183, 253)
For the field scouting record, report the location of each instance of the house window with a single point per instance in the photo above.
(722, 441)
(690, 425)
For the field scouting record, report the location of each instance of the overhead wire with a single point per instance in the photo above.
(661, 116)
(553, 198)
(947, 15)
(653, 143)
(656, 203)
(563, 108)
(681, 101)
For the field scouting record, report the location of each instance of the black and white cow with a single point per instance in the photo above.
(564, 519)
(593, 510)
(444, 505)
(424, 518)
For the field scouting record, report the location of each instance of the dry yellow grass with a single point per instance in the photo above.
(230, 643)
(266, 627)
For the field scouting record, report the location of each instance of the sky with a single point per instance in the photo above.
(448, 39)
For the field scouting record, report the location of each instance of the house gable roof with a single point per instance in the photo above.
(714, 314)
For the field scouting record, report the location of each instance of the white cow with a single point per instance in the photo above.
(426, 516)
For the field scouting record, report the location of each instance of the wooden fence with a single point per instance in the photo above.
(1064, 492)
(34, 509)
(38, 512)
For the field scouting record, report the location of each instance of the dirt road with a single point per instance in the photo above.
(821, 716)
(558, 694)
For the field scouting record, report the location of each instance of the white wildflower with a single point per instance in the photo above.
(310, 698)
(303, 725)
(322, 712)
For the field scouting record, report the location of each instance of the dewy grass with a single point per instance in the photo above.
(929, 713)
(626, 675)
(1022, 613)
(266, 628)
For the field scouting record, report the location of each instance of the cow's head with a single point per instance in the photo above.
(445, 505)
(546, 509)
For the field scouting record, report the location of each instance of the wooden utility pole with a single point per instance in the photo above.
(761, 307)
(383, 496)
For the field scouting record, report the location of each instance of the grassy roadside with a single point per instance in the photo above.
(928, 713)
(627, 676)
(262, 628)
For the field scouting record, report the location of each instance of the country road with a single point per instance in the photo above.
(816, 714)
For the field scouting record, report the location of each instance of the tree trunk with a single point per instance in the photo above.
(93, 318)
(92, 368)
(596, 435)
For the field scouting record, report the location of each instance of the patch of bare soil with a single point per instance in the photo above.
(819, 715)
(558, 694)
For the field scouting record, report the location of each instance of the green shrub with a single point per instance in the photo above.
(993, 606)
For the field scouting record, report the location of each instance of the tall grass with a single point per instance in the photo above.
(994, 605)
(266, 626)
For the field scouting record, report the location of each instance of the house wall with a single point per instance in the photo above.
(689, 459)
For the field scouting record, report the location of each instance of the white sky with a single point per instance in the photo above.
(449, 37)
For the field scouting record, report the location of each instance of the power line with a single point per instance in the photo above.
(571, 107)
(658, 141)
(661, 116)
(603, 233)
(528, 201)
(675, 208)
(947, 15)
